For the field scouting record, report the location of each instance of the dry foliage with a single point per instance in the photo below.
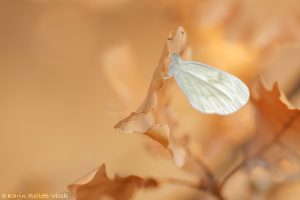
(277, 128)
(97, 185)
(77, 75)
(277, 121)
(153, 118)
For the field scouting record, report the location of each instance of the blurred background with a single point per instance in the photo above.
(71, 69)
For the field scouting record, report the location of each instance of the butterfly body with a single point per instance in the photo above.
(208, 89)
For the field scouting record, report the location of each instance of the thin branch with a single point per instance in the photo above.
(198, 186)
(212, 184)
(207, 171)
(209, 184)
(182, 182)
(278, 135)
(289, 149)
(236, 168)
(260, 151)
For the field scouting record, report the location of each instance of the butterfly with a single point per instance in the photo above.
(208, 89)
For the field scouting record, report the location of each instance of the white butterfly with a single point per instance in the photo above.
(208, 89)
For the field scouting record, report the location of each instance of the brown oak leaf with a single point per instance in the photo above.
(275, 144)
(153, 117)
(98, 185)
(276, 119)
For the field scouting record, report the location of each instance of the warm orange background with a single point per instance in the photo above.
(69, 70)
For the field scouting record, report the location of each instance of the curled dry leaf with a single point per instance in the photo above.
(274, 146)
(278, 127)
(153, 118)
(98, 186)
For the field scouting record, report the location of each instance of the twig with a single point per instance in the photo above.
(278, 135)
(211, 184)
(197, 186)
(232, 172)
(289, 149)
(260, 151)
(207, 171)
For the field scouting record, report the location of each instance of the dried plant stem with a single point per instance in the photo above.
(289, 149)
(208, 172)
(260, 151)
(187, 183)
(236, 168)
(278, 135)
(190, 184)
(210, 183)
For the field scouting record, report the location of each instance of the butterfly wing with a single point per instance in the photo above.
(211, 90)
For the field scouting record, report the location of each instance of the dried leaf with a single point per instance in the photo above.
(276, 61)
(135, 123)
(98, 186)
(277, 123)
(153, 118)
